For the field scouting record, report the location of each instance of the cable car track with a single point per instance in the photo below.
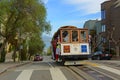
(90, 71)
(87, 73)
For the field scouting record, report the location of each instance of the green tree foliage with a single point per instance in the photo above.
(49, 52)
(21, 17)
(36, 45)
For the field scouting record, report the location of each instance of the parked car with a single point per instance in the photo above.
(99, 55)
(38, 58)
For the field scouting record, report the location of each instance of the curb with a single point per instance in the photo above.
(3, 71)
(17, 65)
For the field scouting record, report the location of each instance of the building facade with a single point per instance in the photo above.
(90, 24)
(110, 19)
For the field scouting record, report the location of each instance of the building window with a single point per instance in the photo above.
(103, 14)
(103, 39)
(103, 28)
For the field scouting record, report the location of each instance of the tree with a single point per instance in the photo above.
(116, 42)
(36, 45)
(21, 17)
(49, 52)
(95, 41)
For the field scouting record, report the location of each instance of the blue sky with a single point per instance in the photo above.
(71, 12)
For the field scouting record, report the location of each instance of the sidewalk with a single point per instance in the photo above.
(8, 65)
(115, 58)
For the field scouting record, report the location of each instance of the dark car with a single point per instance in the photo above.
(99, 55)
(38, 58)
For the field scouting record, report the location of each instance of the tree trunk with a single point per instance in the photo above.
(117, 51)
(3, 45)
(3, 54)
(14, 55)
(29, 57)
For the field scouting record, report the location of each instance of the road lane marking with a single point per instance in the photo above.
(116, 71)
(92, 64)
(89, 63)
(33, 69)
(57, 74)
(25, 75)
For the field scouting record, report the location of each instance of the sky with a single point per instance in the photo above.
(71, 12)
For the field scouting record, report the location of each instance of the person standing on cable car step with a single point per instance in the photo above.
(57, 52)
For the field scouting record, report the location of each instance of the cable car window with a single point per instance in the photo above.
(65, 36)
(74, 36)
(83, 36)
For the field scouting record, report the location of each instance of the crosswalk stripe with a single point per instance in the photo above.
(57, 74)
(116, 71)
(25, 75)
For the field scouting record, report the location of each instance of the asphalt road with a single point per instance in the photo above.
(41, 70)
(49, 70)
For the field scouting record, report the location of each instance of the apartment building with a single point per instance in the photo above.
(110, 14)
(93, 25)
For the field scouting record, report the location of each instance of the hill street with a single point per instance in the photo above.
(50, 70)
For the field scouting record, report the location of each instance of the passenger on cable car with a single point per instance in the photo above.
(57, 52)
(54, 43)
(66, 38)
